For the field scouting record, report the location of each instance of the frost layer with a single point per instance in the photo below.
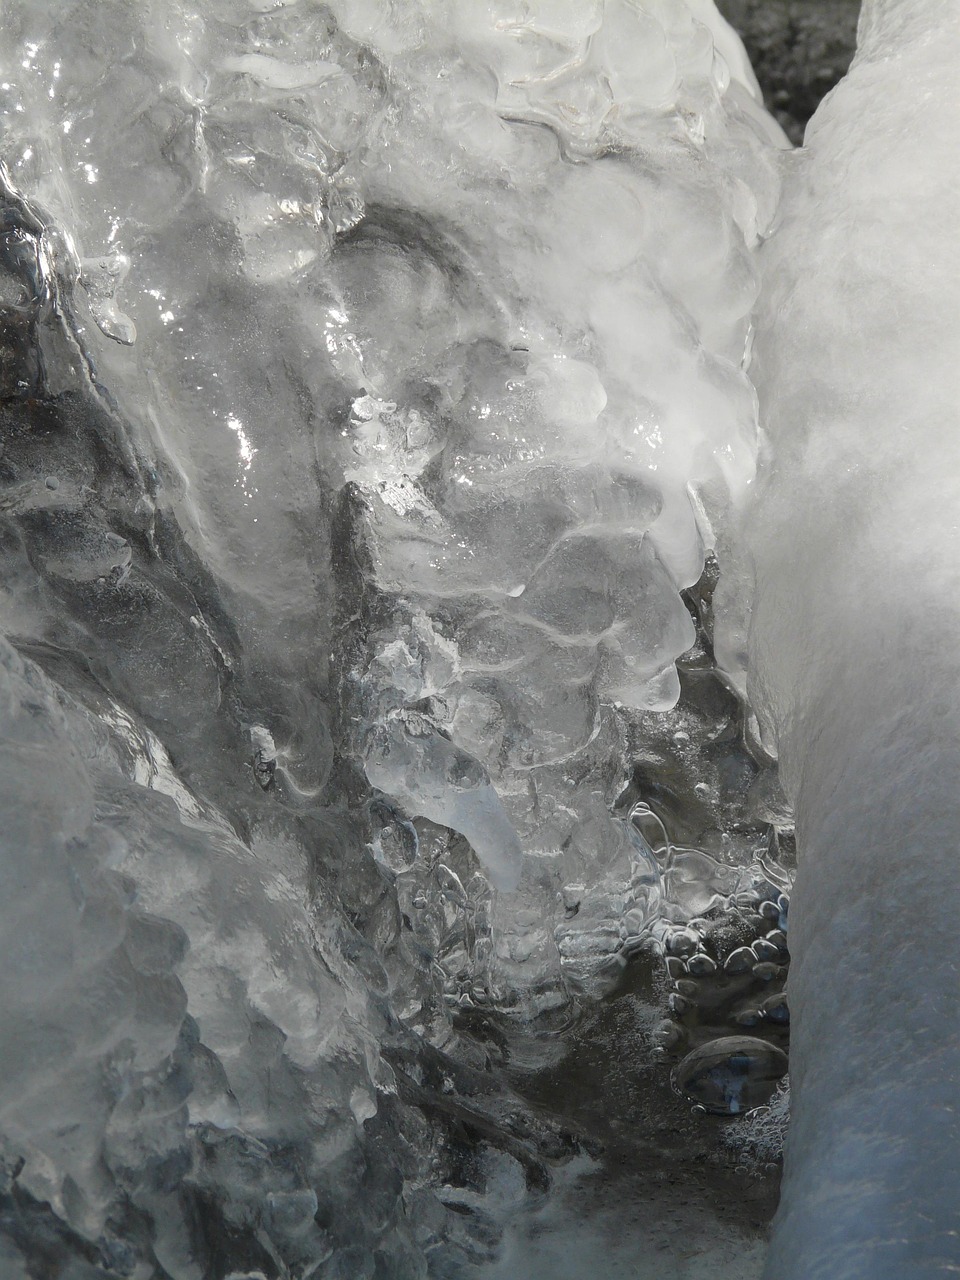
(372, 375)
(848, 559)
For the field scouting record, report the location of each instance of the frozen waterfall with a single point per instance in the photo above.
(397, 853)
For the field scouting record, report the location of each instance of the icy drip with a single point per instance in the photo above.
(848, 561)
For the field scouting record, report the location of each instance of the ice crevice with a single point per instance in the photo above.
(397, 809)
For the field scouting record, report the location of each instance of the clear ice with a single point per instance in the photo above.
(374, 397)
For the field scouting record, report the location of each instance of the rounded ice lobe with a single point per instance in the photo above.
(731, 1075)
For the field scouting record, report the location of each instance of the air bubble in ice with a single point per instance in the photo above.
(694, 881)
(740, 961)
(775, 1008)
(764, 949)
(731, 1075)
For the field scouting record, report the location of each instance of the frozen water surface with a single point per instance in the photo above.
(392, 886)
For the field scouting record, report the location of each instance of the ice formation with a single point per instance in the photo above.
(846, 560)
(372, 375)
(372, 388)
